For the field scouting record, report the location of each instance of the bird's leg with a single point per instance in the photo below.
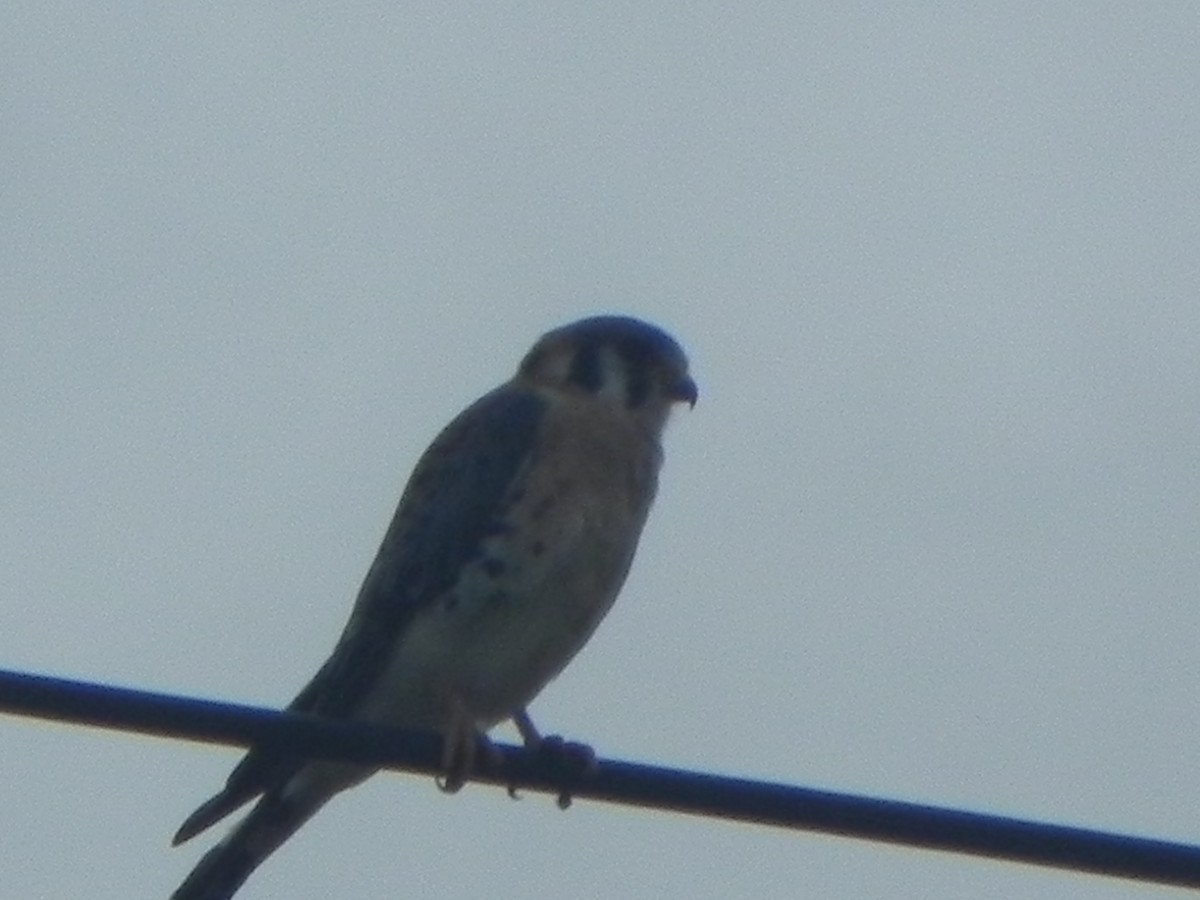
(462, 745)
(529, 737)
(573, 760)
(528, 731)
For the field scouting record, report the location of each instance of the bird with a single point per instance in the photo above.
(512, 538)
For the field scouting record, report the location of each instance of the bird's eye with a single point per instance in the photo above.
(586, 369)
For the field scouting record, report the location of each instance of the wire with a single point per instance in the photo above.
(698, 793)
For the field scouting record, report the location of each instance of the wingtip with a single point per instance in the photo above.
(208, 814)
(191, 827)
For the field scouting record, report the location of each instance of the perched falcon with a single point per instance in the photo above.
(510, 543)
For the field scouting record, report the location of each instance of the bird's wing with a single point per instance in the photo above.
(454, 500)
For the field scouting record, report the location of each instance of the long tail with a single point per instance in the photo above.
(224, 868)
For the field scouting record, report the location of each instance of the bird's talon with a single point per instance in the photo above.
(572, 760)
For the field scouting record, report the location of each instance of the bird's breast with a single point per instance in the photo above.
(538, 586)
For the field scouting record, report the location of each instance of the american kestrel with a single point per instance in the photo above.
(510, 543)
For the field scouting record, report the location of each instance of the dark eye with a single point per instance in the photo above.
(586, 370)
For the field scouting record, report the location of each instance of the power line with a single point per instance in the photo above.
(698, 793)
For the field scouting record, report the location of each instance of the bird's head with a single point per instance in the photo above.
(616, 359)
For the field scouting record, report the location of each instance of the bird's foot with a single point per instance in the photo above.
(571, 761)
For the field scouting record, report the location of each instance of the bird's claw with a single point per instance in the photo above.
(571, 760)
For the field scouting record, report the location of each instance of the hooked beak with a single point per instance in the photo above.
(685, 391)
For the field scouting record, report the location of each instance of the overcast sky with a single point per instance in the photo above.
(931, 532)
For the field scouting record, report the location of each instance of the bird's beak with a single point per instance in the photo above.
(686, 391)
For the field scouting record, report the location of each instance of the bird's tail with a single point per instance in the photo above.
(223, 869)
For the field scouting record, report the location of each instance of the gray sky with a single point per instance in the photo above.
(931, 532)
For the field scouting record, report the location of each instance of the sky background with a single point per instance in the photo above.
(930, 534)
